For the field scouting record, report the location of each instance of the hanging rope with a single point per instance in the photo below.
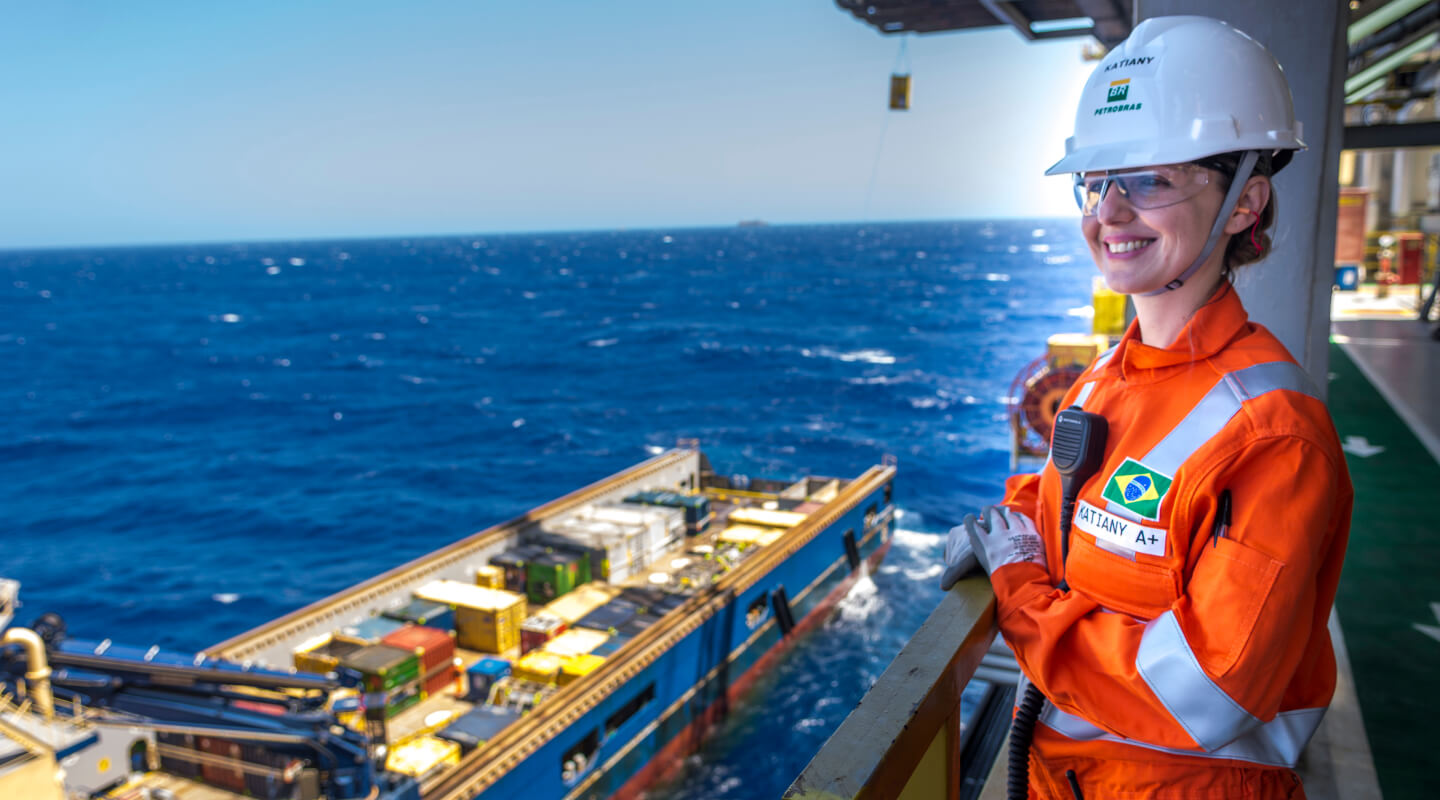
(902, 68)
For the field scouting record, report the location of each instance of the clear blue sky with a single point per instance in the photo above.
(129, 122)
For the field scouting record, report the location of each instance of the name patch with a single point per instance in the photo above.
(1107, 527)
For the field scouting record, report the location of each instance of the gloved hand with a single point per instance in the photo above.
(1004, 537)
(960, 560)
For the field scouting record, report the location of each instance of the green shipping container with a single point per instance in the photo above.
(552, 575)
(383, 667)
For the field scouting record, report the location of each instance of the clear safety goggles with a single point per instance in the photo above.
(1152, 187)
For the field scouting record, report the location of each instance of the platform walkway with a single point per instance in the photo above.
(1385, 393)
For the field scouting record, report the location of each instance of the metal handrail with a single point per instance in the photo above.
(905, 732)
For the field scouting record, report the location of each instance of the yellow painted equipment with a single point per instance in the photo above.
(1065, 349)
(490, 577)
(575, 642)
(577, 667)
(422, 756)
(900, 92)
(765, 518)
(1109, 310)
(485, 619)
(538, 666)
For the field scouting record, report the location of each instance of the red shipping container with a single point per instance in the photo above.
(539, 629)
(223, 776)
(433, 645)
(439, 679)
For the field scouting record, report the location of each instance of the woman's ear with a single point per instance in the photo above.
(1252, 203)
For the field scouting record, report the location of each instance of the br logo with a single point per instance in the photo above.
(1119, 90)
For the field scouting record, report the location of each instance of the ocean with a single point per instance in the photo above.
(195, 439)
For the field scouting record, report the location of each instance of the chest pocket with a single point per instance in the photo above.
(1139, 589)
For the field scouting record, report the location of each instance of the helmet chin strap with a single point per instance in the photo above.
(1232, 198)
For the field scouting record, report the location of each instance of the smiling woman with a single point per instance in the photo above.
(1179, 630)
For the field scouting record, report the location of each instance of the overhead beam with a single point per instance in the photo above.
(1408, 134)
(1379, 18)
(1007, 13)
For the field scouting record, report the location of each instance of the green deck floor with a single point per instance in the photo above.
(1391, 576)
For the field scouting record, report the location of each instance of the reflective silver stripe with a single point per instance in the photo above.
(1171, 671)
(1277, 743)
(1219, 405)
(1214, 412)
(1100, 361)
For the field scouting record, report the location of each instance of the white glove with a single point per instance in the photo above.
(960, 560)
(1004, 537)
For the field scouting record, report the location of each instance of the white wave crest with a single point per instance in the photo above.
(868, 355)
(863, 600)
(601, 342)
(225, 598)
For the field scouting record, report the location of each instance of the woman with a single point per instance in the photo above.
(1181, 645)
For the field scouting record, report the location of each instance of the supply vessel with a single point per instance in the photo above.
(579, 650)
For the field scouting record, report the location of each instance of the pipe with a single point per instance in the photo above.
(1379, 18)
(37, 668)
(1390, 62)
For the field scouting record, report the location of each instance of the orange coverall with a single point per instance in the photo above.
(1178, 664)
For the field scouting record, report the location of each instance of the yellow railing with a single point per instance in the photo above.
(903, 740)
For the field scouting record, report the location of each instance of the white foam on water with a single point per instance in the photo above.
(873, 355)
(1059, 259)
(225, 598)
(862, 600)
(229, 318)
(297, 262)
(654, 449)
(925, 573)
(272, 270)
(1039, 248)
(601, 342)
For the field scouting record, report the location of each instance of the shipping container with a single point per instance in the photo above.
(479, 726)
(609, 616)
(552, 575)
(766, 518)
(402, 697)
(580, 602)
(482, 675)
(578, 666)
(422, 756)
(513, 562)
(538, 629)
(538, 667)
(651, 600)
(382, 667)
(322, 654)
(576, 642)
(439, 678)
(611, 645)
(432, 645)
(485, 619)
(177, 754)
(373, 629)
(696, 507)
(424, 612)
(490, 576)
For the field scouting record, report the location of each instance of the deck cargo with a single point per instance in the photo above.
(422, 756)
(419, 611)
(537, 629)
(487, 620)
(322, 654)
(482, 676)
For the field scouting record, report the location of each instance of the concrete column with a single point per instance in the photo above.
(1289, 292)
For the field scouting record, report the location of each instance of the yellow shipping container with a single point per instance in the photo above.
(581, 601)
(768, 519)
(485, 619)
(577, 667)
(322, 653)
(538, 666)
(1109, 308)
(422, 755)
(575, 642)
(490, 577)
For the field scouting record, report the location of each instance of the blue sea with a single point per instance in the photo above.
(195, 439)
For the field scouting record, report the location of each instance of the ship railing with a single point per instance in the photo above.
(905, 738)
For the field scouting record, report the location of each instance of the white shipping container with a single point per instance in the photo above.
(616, 538)
(663, 524)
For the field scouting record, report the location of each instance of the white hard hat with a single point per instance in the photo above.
(1181, 89)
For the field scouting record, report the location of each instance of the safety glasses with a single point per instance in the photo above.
(1153, 187)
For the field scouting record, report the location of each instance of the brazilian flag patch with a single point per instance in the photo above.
(1137, 488)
